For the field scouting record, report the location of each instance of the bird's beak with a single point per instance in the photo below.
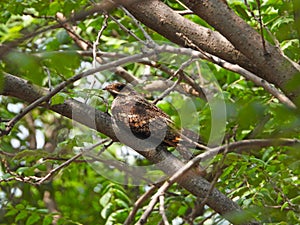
(113, 92)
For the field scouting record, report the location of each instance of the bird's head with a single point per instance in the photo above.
(119, 89)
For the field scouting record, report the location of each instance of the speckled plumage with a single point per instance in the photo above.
(130, 110)
(132, 113)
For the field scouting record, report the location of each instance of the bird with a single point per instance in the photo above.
(133, 113)
(144, 119)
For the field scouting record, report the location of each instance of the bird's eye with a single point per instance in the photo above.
(120, 87)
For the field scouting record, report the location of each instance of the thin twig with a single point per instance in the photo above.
(7, 154)
(168, 90)
(196, 90)
(95, 45)
(162, 210)
(138, 203)
(105, 147)
(150, 43)
(99, 53)
(215, 179)
(183, 5)
(124, 28)
(259, 21)
(68, 162)
(84, 45)
(245, 145)
(152, 203)
(97, 41)
(207, 218)
(185, 12)
(178, 73)
(261, 28)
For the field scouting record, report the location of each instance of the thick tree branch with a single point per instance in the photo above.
(273, 66)
(246, 50)
(167, 22)
(101, 122)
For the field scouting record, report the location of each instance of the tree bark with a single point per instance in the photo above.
(167, 22)
(100, 121)
(240, 43)
(272, 65)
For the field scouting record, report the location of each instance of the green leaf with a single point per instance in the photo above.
(63, 63)
(121, 195)
(59, 98)
(120, 203)
(182, 210)
(113, 41)
(25, 65)
(296, 200)
(47, 220)
(54, 7)
(107, 210)
(31, 155)
(104, 200)
(119, 216)
(11, 212)
(41, 167)
(33, 219)
(27, 171)
(22, 215)
(20, 207)
(6, 176)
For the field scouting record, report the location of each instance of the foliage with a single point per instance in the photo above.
(265, 182)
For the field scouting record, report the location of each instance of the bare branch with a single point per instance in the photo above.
(96, 42)
(168, 90)
(138, 204)
(150, 43)
(124, 28)
(162, 210)
(68, 162)
(84, 45)
(150, 207)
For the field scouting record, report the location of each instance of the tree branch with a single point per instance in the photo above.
(101, 122)
(167, 22)
(273, 67)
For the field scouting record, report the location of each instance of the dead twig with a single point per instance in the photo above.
(138, 203)
(162, 210)
(68, 162)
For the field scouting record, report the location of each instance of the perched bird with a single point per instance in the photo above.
(133, 113)
(144, 119)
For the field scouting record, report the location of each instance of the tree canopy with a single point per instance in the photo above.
(224, 70)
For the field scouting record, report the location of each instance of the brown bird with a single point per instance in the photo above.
(144, 119)
(133, 113)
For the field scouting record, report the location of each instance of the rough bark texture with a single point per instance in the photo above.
(100, 121)
(165, 21)
(246, 49)
(272, 65)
